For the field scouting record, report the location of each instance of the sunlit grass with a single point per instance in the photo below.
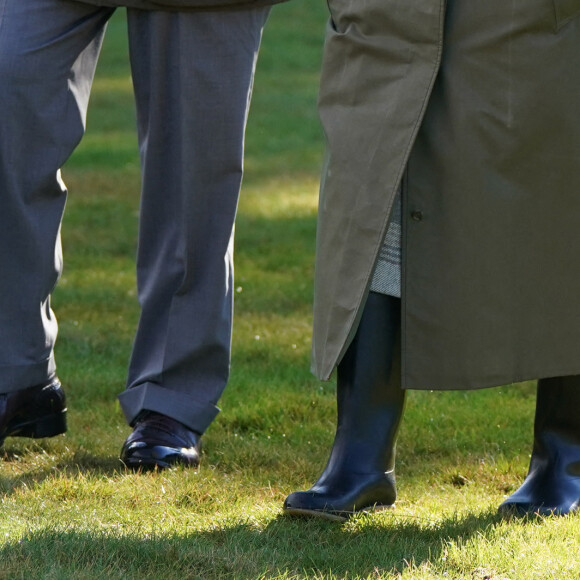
(70, 510)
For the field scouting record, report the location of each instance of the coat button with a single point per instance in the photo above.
(416, 216)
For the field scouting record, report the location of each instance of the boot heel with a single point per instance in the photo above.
(48, 426)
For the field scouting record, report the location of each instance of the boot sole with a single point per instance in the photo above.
(334, 516)
(522, 511)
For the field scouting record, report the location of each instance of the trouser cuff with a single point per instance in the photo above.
(179, 406)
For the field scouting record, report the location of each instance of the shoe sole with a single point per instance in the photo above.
(147, 465)
(519, 511)
(47, 426)
(157, 457)
(143, 465)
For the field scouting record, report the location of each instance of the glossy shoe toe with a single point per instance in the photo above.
(158, 442)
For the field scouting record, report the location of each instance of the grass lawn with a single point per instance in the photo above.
(70, 510)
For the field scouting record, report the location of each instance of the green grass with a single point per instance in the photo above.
(69, 509)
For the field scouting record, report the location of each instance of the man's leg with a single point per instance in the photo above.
(193, 76)
(48, 53)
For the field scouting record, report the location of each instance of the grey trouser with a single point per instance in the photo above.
(193, 75)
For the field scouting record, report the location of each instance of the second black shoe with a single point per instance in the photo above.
(35, 412)
(158, 441)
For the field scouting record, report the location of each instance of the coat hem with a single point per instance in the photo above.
(507, 381)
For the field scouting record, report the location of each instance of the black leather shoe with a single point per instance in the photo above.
(36, 412)
(158, 442)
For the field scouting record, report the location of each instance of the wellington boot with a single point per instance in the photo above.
(360, 472)
(552, 486)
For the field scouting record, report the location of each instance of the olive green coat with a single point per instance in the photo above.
(184, 5)
(474, 107)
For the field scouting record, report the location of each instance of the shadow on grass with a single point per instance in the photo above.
(80, 463)
(285, 548)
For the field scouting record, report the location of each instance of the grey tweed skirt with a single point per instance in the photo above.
(387, 275)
